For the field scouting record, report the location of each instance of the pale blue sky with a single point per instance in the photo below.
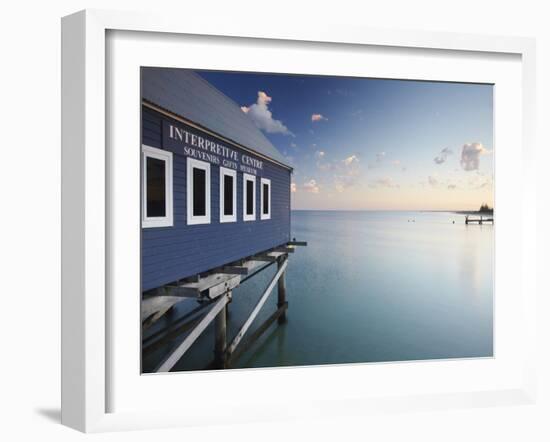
(374, 144)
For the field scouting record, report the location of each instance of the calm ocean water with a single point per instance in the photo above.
(369, 287)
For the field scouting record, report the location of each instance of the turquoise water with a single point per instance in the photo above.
(369, 287)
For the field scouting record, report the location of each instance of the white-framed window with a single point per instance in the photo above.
(198, 192)
(265, 198)
(249, 197)
(228, 195)
(157, 202)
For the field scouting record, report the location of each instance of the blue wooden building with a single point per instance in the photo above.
(214, 189)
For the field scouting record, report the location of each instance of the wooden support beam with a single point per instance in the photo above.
(245, 346)
(182, 325)
(220, 338)
(235, 270)
(182, 291)
(173, 334)
(297, 243)
(283, 249)
(208, 285)
(151, 306)
(220, 289)
(264, 258)
(170, 360)
(193, 278)
(281, 288)
(257, 308)
(263, 267)
(149, 321)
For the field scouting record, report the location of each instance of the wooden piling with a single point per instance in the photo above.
(171, 359)
(281, 289)
(220, 337)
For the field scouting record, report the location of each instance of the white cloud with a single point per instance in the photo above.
(433, 181)
(350, 160)
(380, 156)
(293, 187)
(318, 117)
(347, 166)
(262, 116)
(351, 168)
(293, 145)
(311, 186)
(469, 158)
(442, 157)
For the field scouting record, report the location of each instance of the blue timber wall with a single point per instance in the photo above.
(172, 253)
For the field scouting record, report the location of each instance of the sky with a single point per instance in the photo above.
(373, 144)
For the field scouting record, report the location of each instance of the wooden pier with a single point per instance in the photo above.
(214, 291)
(478, 219)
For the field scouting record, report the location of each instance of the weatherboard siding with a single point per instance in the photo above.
(171, 253)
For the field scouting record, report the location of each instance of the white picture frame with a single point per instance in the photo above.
(88, 189)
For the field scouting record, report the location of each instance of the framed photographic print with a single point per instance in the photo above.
(291, 223)
(392, 223)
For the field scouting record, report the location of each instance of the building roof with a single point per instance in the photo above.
(189, 96)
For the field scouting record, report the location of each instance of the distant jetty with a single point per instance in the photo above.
(481, 216)
(472, 219)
